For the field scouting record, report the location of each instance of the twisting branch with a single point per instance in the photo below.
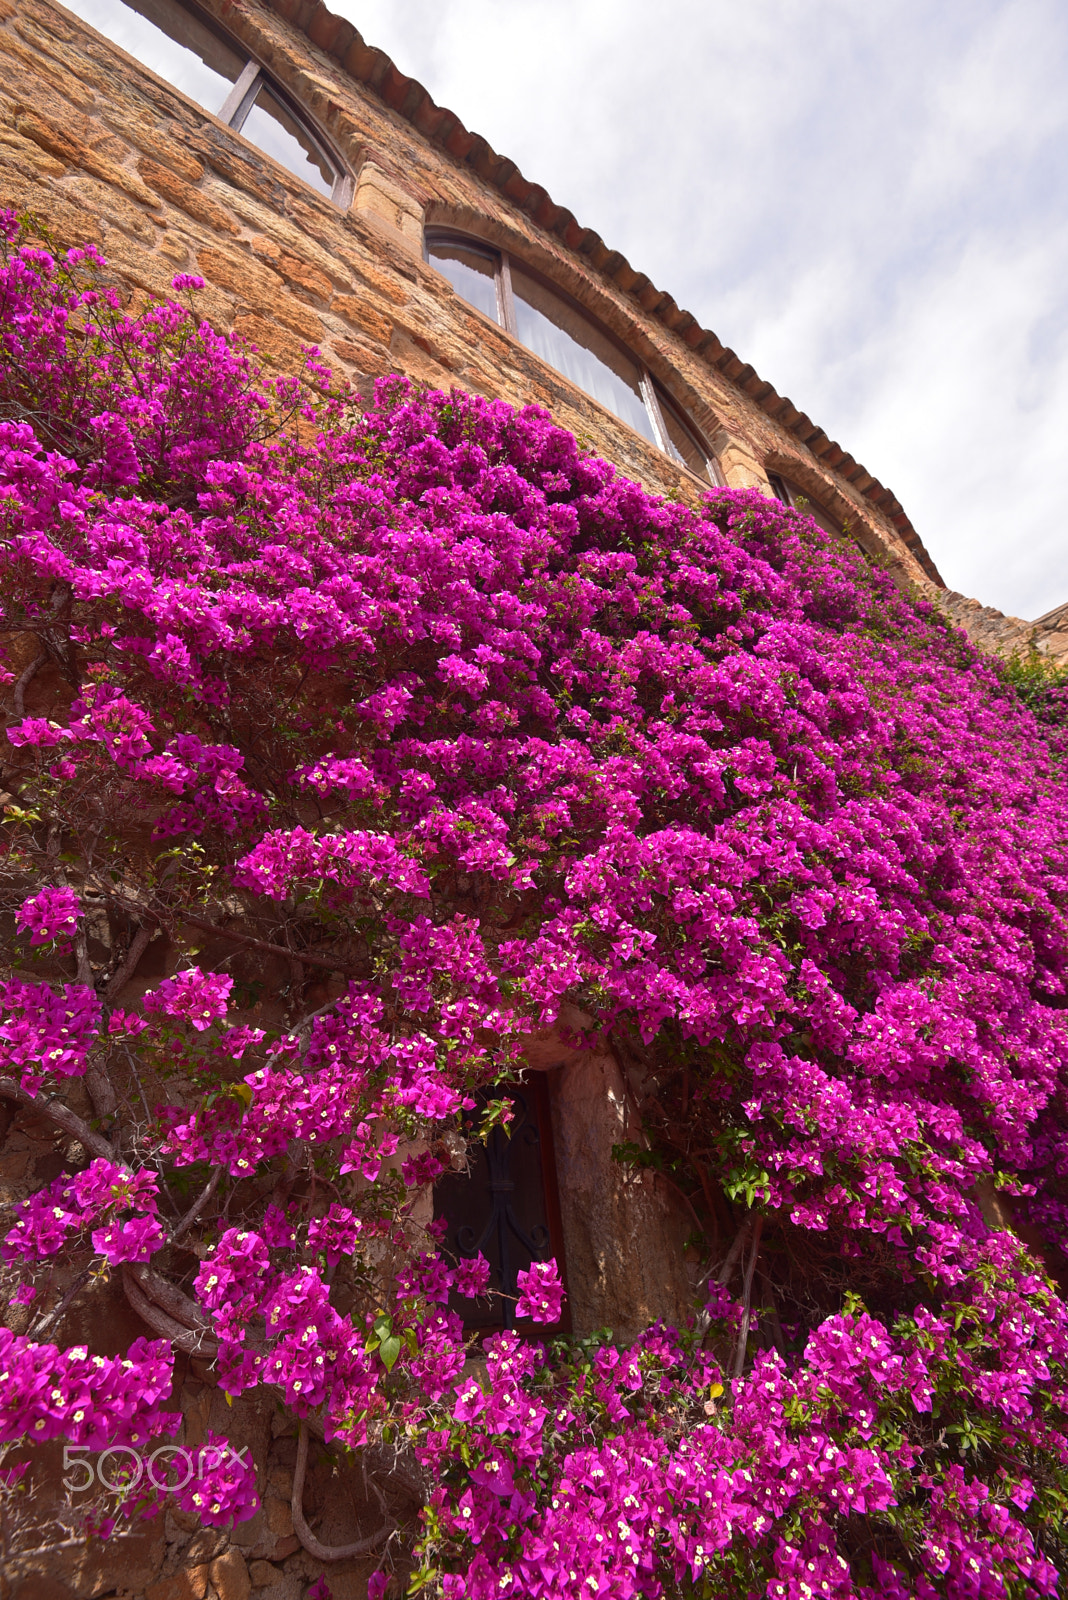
(58, 1114)
(184, 1339)
(138, 945)
(197, 1207)
(329, 962)
(723, 1276)
(45, 1322)
(738, 1364)
(167, 1296)
(24, 679)
(326, 1552)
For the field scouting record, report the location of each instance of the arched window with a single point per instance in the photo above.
(186, 47)
(554, 327)
(791, 495)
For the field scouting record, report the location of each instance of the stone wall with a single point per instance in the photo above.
(104, 151)
(998, 635)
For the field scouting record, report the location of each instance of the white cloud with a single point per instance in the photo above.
(864, 200)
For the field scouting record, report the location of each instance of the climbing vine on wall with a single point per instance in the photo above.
(346, 745)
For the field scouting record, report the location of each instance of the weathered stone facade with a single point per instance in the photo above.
(999, 635)
(103, 151)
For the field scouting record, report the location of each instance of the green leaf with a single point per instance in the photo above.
(389, 1350)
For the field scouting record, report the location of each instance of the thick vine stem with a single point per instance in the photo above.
(138, 945)
(23, 681)
(185, 1339)
(306, 957)
(726, 1271)
(738, 1364)
(326, 1552)
(44, 1323)
(167, 1296)
(60, 1116)
(401, 1467)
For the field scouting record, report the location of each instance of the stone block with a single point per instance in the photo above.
(114, 210)
(259, 288)
(185, 197)
(302, 275)
(29, 157)
(39, 1586)
(373, 359)
(68, 223)
(413, 357)
(384, 285)
(275, 232)
(75, 153)
(28, 71)
(167, 150)
(358, 312)
(190, 1583)
(380, 198)
(279, 1516)
(739, 466)
(174, 247)
(273, 343)
(262, 1573)
(230, 1576)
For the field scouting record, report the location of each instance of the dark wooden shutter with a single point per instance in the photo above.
(507, 1206)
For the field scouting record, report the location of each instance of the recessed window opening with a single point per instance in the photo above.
(506, 1206)
(175, 41)
(798, 500)
(682, 443)
(552, 325)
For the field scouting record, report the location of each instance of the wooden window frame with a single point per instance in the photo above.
(654, 396)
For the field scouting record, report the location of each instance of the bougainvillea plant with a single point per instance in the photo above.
(449, 724)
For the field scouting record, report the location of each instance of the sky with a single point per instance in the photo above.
(864, 198)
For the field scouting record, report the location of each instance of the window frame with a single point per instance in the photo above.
(790, 494)
(235, 109)
(654, 395)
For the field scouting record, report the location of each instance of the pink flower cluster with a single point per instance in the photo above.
(48, 914)
(485, 731)
(44, 1222)
(92, 1400)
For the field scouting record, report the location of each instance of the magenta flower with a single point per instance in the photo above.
(542, 1293)
(49, 914)
(137, 1240)
(199, 998)
(472, 1277)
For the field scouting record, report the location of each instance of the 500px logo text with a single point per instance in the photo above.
(126, 1466)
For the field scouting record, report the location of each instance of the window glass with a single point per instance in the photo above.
(277, 133)
(682, 445)
(472, 274)
(791, 495)
(579, 351)
(170, 41)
